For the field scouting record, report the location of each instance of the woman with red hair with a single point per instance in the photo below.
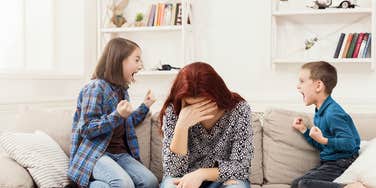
(207, 132)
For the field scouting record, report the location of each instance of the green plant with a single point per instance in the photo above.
(139, 17)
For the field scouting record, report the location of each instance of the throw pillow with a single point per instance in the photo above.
(40, 155)
(363, 168)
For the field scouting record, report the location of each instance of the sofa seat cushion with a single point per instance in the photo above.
(287, 155)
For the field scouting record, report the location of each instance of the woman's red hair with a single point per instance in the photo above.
(200, 80)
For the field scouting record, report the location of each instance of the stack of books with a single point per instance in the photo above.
(164, 14)
(353, 45)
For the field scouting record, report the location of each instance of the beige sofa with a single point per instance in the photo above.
(281, 154)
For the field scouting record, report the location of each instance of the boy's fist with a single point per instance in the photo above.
(316, 134)
(299, 125)
(124, 108)
(149, 99)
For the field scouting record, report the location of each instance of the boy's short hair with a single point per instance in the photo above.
(324, 71)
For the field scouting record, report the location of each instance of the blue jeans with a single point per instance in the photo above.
(167, 182)
(121, 170)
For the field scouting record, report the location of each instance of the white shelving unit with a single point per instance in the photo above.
(294, 23)
(171, 44)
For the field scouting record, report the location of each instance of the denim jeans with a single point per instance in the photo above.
(121, 170)
(323, 175)
(167, 182)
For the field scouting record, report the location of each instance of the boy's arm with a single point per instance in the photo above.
(299, 125)
(312, 141)
(343, 139)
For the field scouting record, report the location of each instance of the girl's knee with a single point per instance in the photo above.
(122, 182)
(151, 181)
(168, 182)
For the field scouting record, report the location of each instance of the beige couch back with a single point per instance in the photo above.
(57, 123)
(286, 154)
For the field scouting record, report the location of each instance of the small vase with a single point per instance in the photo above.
(118, 20)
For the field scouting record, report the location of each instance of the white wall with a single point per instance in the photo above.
(234, 37)
(73, 49)
(239, 47)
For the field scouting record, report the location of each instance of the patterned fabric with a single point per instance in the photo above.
(227, 146)
(40, 155)
(94, 121)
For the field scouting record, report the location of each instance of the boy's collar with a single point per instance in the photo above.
(324, 105)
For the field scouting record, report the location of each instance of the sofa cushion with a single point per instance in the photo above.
(57, 123)
(276, 186)
(256, 173)
(286, 154)
(12, 174)
(156, 147)
(363, 168)
(143, 132)
(256, 176)
(365, 124)
(40, 154)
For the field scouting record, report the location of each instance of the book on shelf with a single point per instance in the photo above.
(353, 45)
(164, 14)
(339, 45)
(367, 50)
(178, 14)
(363, 44)
(357, 45)
(347, 45)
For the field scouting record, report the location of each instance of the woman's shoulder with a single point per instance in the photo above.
(241, 107)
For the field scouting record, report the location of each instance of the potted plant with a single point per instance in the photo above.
(139, 20)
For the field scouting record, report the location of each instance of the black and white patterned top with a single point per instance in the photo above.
(227, 146)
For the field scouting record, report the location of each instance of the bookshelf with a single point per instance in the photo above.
(293, 23)
(168, 43)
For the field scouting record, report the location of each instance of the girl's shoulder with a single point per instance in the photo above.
(97, 86)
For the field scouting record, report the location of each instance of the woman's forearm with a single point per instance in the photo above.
(179, 142)
(209, 174)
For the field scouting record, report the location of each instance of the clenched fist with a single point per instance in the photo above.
(299, 125)
(149, 99)
(316, 134)
(124, 108)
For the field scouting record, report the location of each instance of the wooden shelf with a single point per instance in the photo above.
(330, 11)
(138, 29)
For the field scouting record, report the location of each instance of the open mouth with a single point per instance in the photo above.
(133, 74)
(303, 96)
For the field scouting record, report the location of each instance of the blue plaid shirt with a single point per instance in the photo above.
(94, 121)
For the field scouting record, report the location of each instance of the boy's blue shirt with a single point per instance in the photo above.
(336, 125)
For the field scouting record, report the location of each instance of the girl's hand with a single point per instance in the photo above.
(195, 113)
(191, 180)
(124, 108)
(149, 99)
